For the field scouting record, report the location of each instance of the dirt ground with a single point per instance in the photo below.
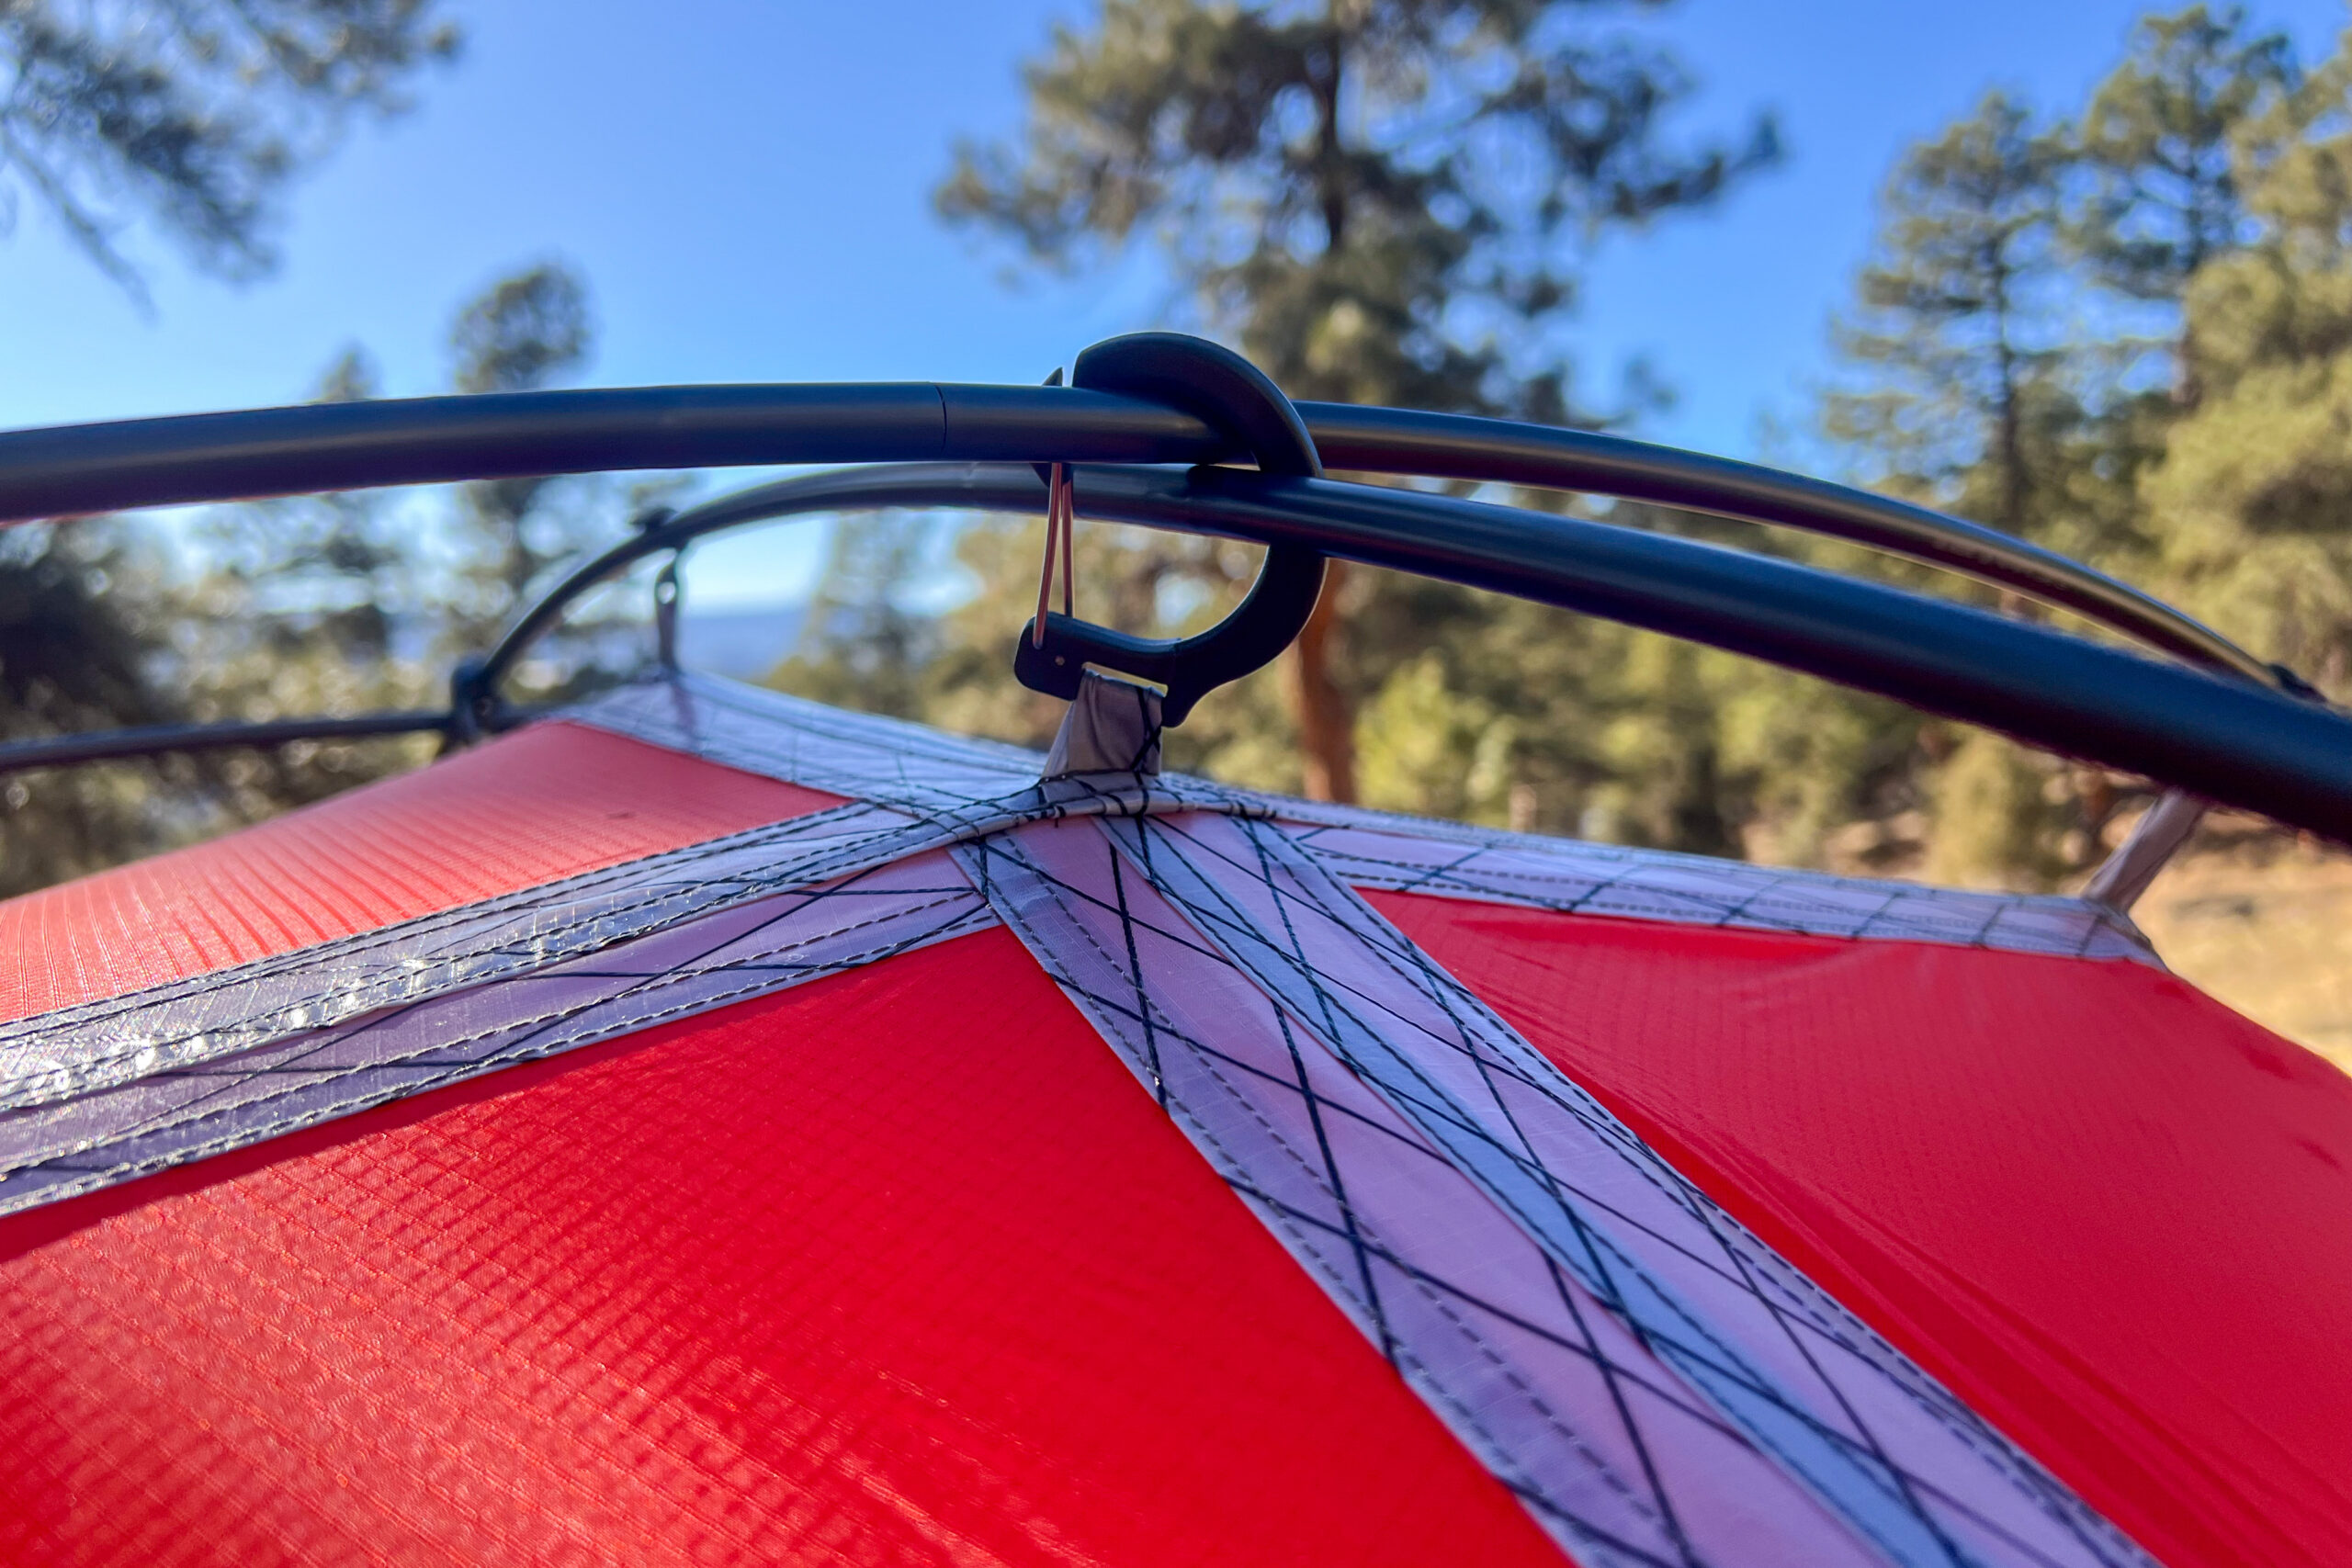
(2266, 925)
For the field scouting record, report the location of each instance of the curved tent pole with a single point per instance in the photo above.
(2223, 739)
(220, 456)
(2226, 739)
(1496, 451)
(77, 470)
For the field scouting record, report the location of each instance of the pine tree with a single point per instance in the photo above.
(2021, 354)
(2255, 483)
(1958, 330)
(194, 115)
(2162, 196)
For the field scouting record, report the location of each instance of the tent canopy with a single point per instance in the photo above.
(700, 1125)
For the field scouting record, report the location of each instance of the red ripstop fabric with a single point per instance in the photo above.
(547, 802)
(897, 1267)
(2113, 1216)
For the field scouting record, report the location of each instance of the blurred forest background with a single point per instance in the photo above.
(2120, 327)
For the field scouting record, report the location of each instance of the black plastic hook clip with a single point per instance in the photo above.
(1235, 398)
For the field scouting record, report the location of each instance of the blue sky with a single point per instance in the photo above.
(745, 185)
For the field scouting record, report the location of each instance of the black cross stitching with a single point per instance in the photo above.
(1485, 1065)
(1156, 1027)
(1645, 1556)
(1605, 1207)
(1611, 1374)
(1162, 845)
(1583, 1346)
(1174, 829)
(1340, 1223)
(1427, 1097)
(1135, 974)
(1337, 1284)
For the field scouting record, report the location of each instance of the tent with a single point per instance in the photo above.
(697, 1125)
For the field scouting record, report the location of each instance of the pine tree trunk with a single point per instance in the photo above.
(1326, 737)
